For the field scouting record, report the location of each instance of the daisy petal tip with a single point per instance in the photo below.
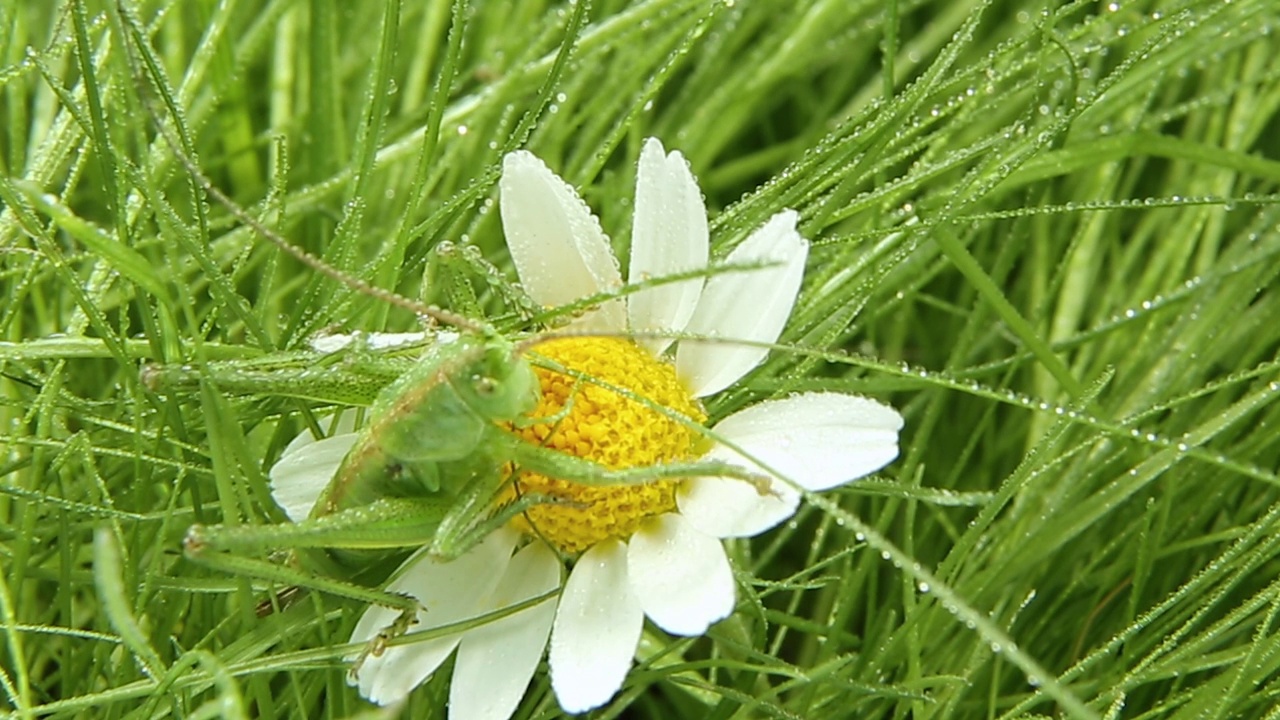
(652, 148)
(789, 216)
(893, 418)
(520, 159)
(789, 237)
(872, 417)
(522, 175)
(576, 699)
(377, 696)
(383, 688)
(579, 692)
(672, 170)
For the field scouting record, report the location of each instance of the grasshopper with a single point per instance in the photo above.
(425, 471)
(430, 467)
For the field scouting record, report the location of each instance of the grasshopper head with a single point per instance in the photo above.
(501, 385)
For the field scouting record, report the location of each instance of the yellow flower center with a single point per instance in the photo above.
(606, 427)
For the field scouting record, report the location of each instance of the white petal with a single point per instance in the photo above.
(669, 235)
(559, 250)
(496, 661)
(680, 575)
(751, 305)
(596, 631)
(449, 592)
(728, 507)
(305, 469)
(337, 424)
(816, 440)
(327, 343)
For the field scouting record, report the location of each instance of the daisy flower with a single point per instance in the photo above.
(651, 550)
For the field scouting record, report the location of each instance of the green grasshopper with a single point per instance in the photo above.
(429, 467)
(425, 471)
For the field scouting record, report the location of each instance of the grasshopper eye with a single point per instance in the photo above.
(484, 386)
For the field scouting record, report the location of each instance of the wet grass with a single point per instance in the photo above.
(1047, 233)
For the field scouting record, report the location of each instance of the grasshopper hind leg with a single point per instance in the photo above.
(407, 605)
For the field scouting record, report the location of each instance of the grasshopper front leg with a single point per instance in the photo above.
(473, 515)
(586, 472)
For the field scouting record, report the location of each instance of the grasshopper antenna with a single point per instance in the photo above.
(193, 169)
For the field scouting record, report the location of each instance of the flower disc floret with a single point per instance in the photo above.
(614, 403)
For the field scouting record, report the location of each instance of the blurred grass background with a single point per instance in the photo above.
(1046, 231)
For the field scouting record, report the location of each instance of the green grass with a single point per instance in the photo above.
(1047, 233)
